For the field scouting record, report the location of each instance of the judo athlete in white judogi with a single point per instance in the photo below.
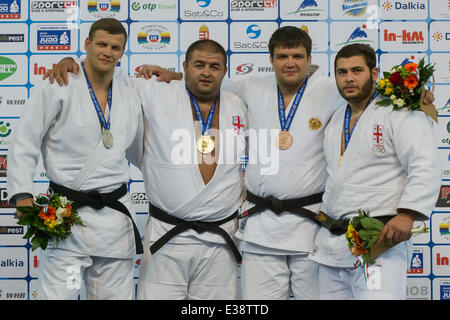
(63, 125)
(380, 160)
(194, 194)
(275, 240)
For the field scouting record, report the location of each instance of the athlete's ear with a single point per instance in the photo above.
(87, 42)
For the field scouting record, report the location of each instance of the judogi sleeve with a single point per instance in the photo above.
(238, 87)
(135, 152)
(418, 154)
(40, 112)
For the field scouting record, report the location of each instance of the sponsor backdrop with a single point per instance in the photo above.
(35, 34)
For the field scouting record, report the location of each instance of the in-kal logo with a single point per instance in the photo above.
(444, 285)
(7, 67)
(203, 32)
(16, 37)
(397, 5)
(354, 8)
(203, 12)
(40, 70)
(103, 8)
(41, 6)
(443, 200)
(10, 9)
(444, 228)
(153, 37)
(3, 165)
(307, 8)
(359, 35)
(406, 36)
(252, 5)
(416, 265)
(53, 38)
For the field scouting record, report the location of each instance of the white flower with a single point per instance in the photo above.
(63, 201)
(393, 97)
(399, 102)
(59, 215)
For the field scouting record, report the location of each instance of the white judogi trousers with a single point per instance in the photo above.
(198, 271)
(62, 273)
(275, 277)
(387, 278)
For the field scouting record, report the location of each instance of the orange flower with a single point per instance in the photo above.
(411, 82)
(411, 67)
(68, 211)
(49, 215)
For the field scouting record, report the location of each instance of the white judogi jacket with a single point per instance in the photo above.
(391, 162)
(285, 174)
(170, 164)
(62, 124)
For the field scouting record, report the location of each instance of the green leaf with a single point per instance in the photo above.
(385, 102)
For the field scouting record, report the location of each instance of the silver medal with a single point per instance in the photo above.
(107, 139)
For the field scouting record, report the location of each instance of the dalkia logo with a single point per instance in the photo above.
(397, 5)
(11, 263)
(307, 8)
(7, 67)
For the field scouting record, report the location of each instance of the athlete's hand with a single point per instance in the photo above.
(28, 202)
(397, 229)
(163, 75)
(59, 73)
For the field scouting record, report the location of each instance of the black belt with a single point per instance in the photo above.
(336, 227)
(98, 201)
(199, 226)
(296, 206)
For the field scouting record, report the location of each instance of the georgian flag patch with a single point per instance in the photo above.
(378, 140)
(238, 125)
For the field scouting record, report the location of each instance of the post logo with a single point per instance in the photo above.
(7, 67)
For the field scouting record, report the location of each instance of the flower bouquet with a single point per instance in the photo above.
(403, 87)
(363, 233)
(50, 216)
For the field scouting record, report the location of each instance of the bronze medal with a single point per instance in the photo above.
(284, 140)
(205, 144)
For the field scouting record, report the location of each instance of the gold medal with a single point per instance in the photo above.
(284, 140)
(205, 144)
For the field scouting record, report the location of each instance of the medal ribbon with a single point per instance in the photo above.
(348, 114)
(204, 126)
(286, 123)
(101, 116)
